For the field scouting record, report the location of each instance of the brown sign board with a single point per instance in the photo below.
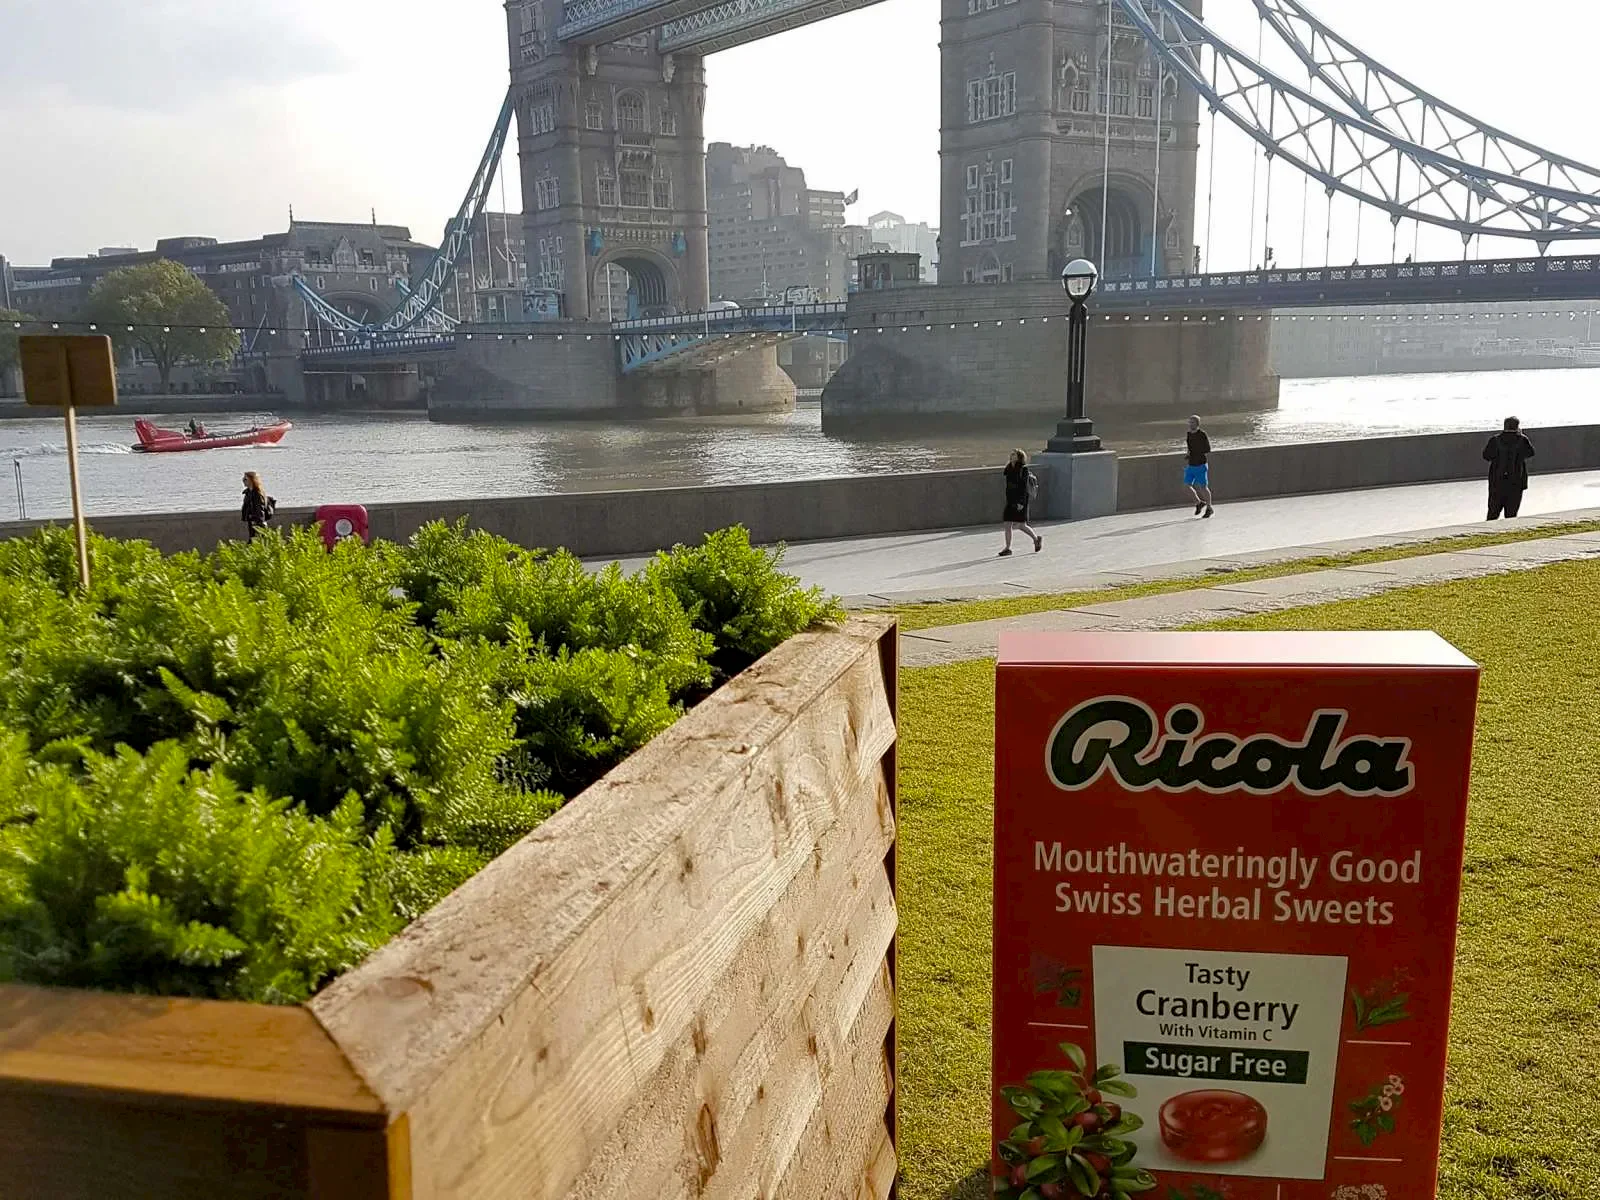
(72, 371)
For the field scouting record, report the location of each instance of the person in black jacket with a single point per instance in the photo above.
(1021, 484)
(258, 507)
(1507, 454)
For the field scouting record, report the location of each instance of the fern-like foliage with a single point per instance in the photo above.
(736, 593)
(139, 874)
(236, 774)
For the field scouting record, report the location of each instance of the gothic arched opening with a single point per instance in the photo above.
(641, 280)
(1122, 249)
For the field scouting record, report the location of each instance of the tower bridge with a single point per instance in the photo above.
(1068, 129)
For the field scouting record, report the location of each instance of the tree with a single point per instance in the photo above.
(174, 317)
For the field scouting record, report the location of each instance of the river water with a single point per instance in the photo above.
(387, 458)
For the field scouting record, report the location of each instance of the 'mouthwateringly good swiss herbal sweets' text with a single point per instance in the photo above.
(1227, 872)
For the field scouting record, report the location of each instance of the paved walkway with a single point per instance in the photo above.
(961, 564)
(957, 643)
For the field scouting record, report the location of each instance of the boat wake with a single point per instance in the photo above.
(50, 449)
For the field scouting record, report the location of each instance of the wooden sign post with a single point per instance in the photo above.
(71, 372)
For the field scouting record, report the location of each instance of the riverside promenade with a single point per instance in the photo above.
(960, 564)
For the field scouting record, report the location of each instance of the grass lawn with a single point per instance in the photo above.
(1523, 1116)
(960, 612)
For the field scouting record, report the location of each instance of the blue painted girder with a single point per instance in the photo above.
(591, 22)
(731, 23)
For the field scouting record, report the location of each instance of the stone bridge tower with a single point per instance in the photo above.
(612, 147)
(1026, 94)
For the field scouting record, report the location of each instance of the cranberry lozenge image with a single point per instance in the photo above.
(1213, 1126)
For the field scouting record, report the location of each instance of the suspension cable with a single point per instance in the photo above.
(1305, 210)
(1155, 215)
(1211, 173)
(1105, 183)
(1255, 159)
(1266, 229)
(505, 231)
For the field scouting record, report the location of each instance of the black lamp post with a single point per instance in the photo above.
(1075, 435)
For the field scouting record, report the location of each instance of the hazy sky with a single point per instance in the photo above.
(122, 123)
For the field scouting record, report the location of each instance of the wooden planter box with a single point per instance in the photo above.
(681, 985)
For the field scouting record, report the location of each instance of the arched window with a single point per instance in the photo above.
(631, 117)
(661, 188)
(635, 189)
(1121, 97)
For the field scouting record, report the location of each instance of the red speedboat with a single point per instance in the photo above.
(155, 440)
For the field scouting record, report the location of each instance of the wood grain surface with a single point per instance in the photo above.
(526, 1021)
(682, 985)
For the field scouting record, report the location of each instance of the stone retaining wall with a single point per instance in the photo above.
(602, 524)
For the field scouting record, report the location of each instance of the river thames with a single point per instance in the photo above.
(377, 459)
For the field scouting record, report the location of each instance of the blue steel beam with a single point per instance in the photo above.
(1385, 97)
(1558, 280)
(420, 303)
(1308, 132)
(738, 22)
(648, 342)
(592, 22)
(1389, 98)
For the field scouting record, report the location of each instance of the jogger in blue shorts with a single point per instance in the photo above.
(1197, 475)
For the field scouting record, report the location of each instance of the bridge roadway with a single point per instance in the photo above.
(660, 341)
(694, 26)
(1503, 280)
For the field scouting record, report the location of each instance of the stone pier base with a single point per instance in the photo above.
(962, 352)
(571, 370)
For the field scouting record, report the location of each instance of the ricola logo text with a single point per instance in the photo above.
(1123, 736)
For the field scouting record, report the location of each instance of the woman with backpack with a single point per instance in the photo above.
(258, 507)
(1021, 487)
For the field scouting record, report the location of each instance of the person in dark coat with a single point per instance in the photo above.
(258, 507)
(1507, 454)
(1021, 484)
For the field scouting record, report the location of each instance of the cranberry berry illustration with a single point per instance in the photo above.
(1071, 1143)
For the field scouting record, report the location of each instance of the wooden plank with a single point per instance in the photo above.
(56, 1146)
(837, 1148)
(763, 1141)
(685, 1131)
(518, 1021)
(184, 1052)
(882, 1167)
(345, 1164)
(889, 652)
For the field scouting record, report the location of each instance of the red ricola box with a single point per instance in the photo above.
(1227, 873)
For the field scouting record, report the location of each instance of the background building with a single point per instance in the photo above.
(365, 270)
(494, 270)
(770, 231)
(893, 232)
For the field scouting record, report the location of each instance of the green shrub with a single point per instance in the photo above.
(441, 557)
(735, 592)
(551, 603)
(235, 774)
(140, 875)
(579, 714)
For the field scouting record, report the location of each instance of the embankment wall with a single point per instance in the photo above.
(601, 524)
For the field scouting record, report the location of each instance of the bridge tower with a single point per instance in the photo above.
(612, 146)
(1026, 89)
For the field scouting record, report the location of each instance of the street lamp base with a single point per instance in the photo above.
(1075, 437)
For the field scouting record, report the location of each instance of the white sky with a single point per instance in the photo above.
(122, 123)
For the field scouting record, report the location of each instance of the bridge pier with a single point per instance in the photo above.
(961, 352)
(571, 370)
(742, 381)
